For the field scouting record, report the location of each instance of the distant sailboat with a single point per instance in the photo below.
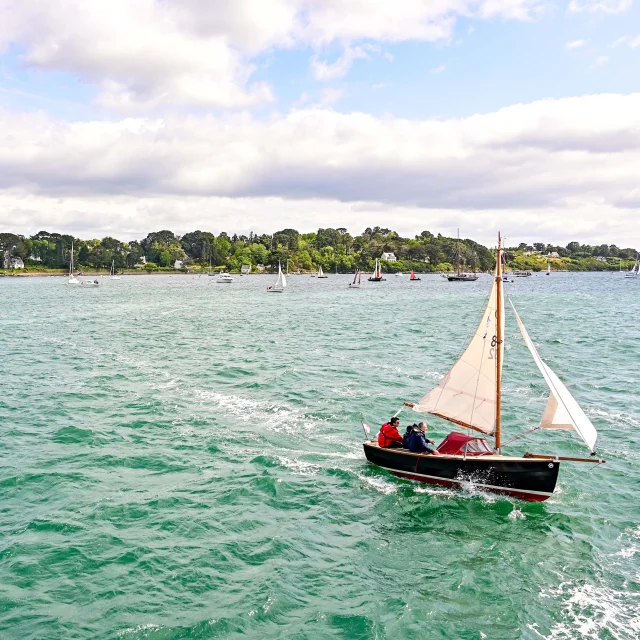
(280, 284)
(459, 275)
(413, 277)
(320, 273)
(357, 278)
(377, 273)
(112, 272)
(548, 267)
(635, 271)
(470, 396)
(72, 278)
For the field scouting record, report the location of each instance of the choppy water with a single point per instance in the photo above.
(182, 459)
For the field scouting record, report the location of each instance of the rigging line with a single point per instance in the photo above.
(520, 435)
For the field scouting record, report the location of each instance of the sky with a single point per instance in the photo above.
(129, 116)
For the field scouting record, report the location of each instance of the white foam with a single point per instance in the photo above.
(379, 484)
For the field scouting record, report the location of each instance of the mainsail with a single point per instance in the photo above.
(467, 395)
(562, 411)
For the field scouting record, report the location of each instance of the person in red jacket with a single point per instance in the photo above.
(389, 436)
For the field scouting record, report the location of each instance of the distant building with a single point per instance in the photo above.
(601, 259)
(554, 254)
(531, 253)
(178, 264)
(245, 268)
(142, 260)
(389, 257)
(260, 267)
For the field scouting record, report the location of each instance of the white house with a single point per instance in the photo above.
(11, 263)
(389, 257)
(553, 254)
(260, 267)
(245, 268)
(601, 259)
(178, 264)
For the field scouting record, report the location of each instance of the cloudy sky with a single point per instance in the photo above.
(122, 117)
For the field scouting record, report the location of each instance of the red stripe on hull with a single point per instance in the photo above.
(528, 497)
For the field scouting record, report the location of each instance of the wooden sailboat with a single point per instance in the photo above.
(377, 273)
(413, 277)
(470, 395)
(320, 273)
(280, 284)
(459, 275)
(357, 279)
(72, 279)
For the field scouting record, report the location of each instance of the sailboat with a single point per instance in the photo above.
(280, 284)
(377, 273)
(635, 271)
(459, 275)
(548, 267)
(357, 279)
(320, 273)
(413, 277)
(112, 272)
(72, 278)
(470, 396)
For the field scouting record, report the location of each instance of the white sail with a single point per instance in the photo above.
(72, 278)
(562, 411)
(320, 273)
(283, 279)
(467, 394)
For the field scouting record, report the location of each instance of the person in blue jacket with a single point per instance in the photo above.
(418, 443)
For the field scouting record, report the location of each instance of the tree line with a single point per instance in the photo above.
(333, 249)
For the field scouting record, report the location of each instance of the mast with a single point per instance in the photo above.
(499, 338)
(458, 250)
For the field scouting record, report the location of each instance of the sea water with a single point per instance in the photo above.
(183, 459)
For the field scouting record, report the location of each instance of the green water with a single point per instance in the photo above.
(182, 459)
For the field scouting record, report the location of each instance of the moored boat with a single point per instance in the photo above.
(459, 275)
(470, 396)
(357, 279)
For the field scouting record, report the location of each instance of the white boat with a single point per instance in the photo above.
(112, 273)
(635, 271)
(356, 280)
(280, 284)
(89, 283)
(72, 278)
(320, 273)
(225, 278)
(399, 273)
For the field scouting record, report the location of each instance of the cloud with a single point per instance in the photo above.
(331, 96)
(634, 43)
(143, 54)
(324, 71)
(600, 6)
(381, 85)
(575, 44)
(600, 61)
(438, 69)
(560, 164)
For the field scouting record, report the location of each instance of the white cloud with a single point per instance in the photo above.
(324, 71)
(634, 43)
(600, 6)
(438, 69)
(553, 166)
(381, 85)
(575, 44)
(600, 61)
(146, 53)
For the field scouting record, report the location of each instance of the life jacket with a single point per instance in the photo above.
(407, 435)
(387, 435)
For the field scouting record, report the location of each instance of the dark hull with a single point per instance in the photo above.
(458, 279)
(529, 479)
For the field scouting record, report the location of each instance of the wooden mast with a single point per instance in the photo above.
(498, 339)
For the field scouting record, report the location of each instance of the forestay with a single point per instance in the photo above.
(562, 411)
(467, 394)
